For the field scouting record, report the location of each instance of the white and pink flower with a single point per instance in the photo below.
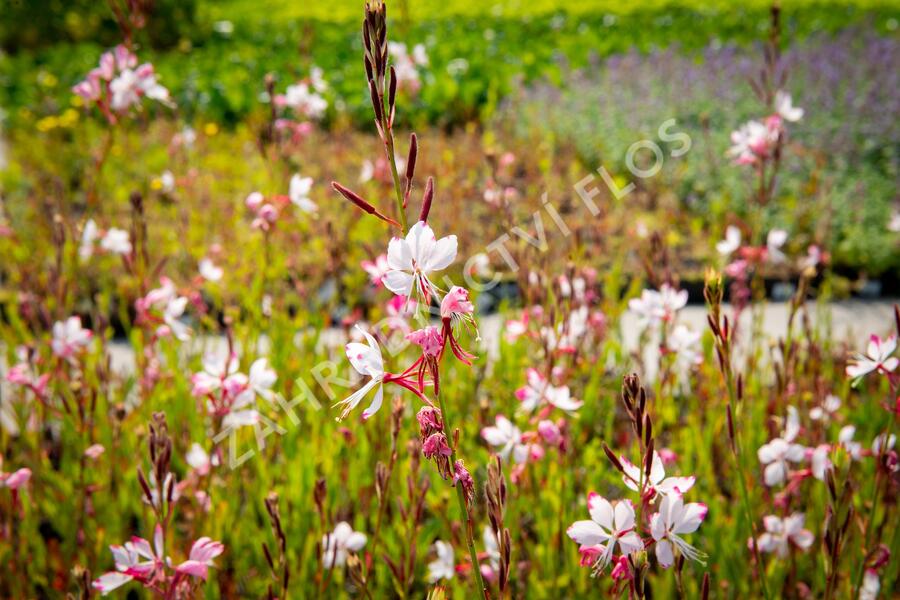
(609, 527)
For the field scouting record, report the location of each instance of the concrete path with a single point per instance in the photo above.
(852, 320)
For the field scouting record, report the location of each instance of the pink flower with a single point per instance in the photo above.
(69, 337)
(429, 338)
(456, 303)
(608, 527)
(754, 141)
(88, 89)
(94, 451)
(462, 476)
(254, 201)
(16, 479)
(429, 419)
(435, 445)
(782, 533)
(877, 358)
(550, 432)
(201, 558)
(399, 309)
(21, 374)
(622, 570)
(129, 565)
(376, 269)
(674, 519)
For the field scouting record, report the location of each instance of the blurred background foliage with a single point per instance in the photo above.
(581, 80)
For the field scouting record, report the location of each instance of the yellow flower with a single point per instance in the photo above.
(47, 123)
(68, 118)
(210, 129)
(47, 79)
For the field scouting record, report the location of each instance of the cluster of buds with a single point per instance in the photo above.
(159, 491)
(713, 292)
(495, 494)
(278, 569)
(375, 58)
(434, 441)
(838, 516)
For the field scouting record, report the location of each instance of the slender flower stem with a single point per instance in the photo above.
(875, 496)
(398, 188)
(461, 499)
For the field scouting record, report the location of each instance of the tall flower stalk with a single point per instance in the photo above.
(411, 259)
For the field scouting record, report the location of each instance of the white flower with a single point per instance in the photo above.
(674, 519)
(443, 566)
(508, 438)
(412, 259)
(608, 526)
(317, 79)
(877, 358)
(491, 548)
(209, 271)
(304, 101)
(367, 171)
(731, 242)
(299, 193)
(336, 546)
(785, 108)
(657, 483)
(539, 389)
(870, 586)
(845, 439)
(261, 378)
(819, 463)
(878, 442)
(775, 455)
(69, 337)
(685, 343)
(894, 222)
(774, 241)
(131, 84)
(654, 307)
(88, 237)
(752, 140)
(419, 56)
(825, 411)
(167, 181)
(116, 241)
(198, 459)
(367, 361)
(791, 425)
(780, 533)
(172, 316)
